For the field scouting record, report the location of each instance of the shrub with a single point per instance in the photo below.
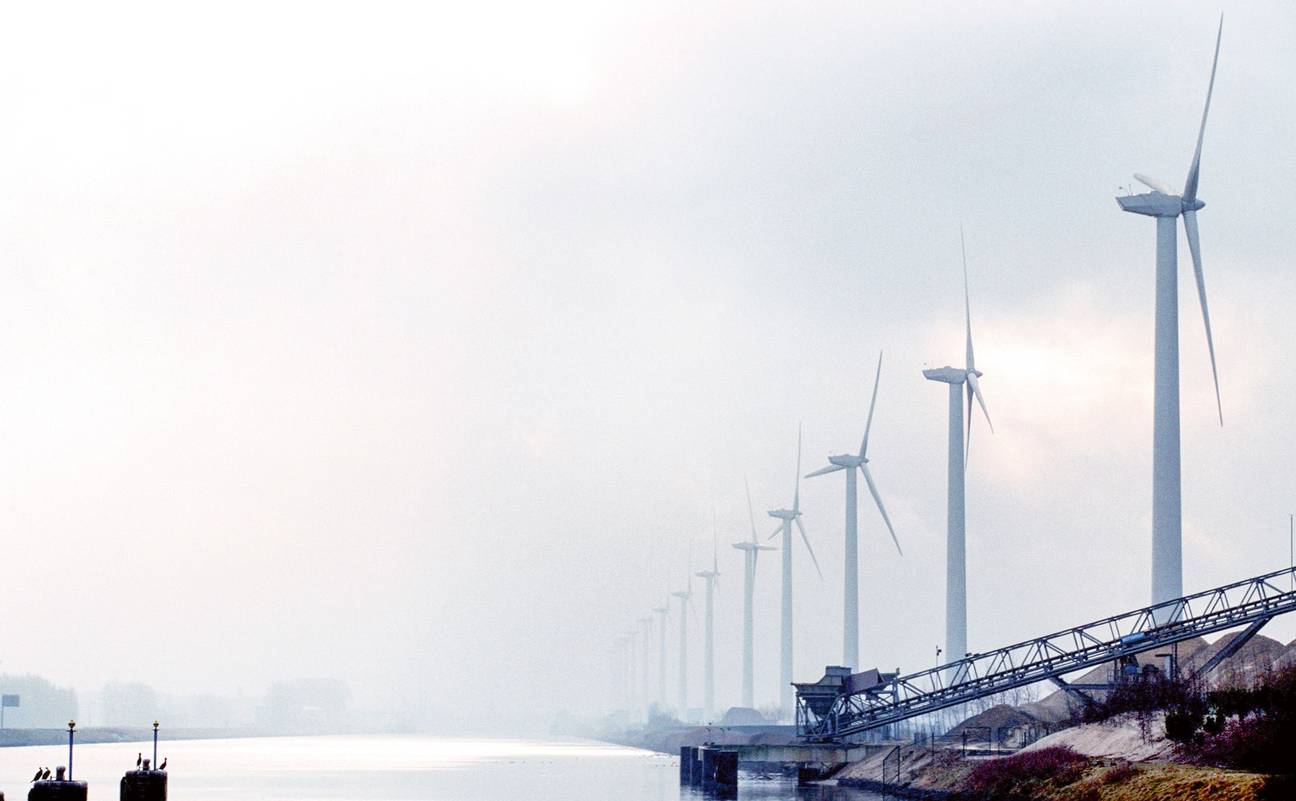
(1260, 738)
(1015, 776)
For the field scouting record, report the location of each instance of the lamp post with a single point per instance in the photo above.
(155, 728)
(71, 730)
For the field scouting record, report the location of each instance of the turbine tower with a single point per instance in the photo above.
(955, 548)
(708, 638)
(684, 596)
(849, 462)
(751, 549)
(1163, 204)
(789, 516)
(661, 612)
(646, 623)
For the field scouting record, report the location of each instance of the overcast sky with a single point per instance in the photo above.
(414, 346)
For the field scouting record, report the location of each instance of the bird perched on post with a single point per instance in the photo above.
(38, 774)
(46, 774)
(163, 765)
(139, 759)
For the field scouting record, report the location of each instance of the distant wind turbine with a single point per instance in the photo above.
(956, 532)
(708, 640)
(849, 462)
(661, 612)
(1163, 204)
(790, 516)
(751, 550)
(684, 596)
(646, 624)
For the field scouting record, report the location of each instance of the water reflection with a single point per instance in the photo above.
(784, 789)
(397, 768)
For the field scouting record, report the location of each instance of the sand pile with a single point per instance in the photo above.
(1119, 738)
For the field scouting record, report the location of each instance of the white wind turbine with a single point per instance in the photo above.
(955, 548)
(1163, 204)
(849, 462)
(751, 549)
(790, 516)
(661, 612)
(684, 596)
(646, 694)
(708, 640)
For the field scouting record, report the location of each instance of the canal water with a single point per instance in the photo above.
(393, 767)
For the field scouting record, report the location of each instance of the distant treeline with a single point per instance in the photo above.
(41, 704)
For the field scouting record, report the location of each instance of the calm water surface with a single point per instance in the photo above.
(393, 767)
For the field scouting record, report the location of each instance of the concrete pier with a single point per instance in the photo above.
(726, 774)
(686, 763)
(695, 775)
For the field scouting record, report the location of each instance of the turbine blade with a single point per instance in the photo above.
(869, 425)
(750, 513)
(777, 531)
(1154, 184)
(975, 386)
(832, 468)
(967, 306)
(806, 540)
(868, 478)
(1190, 185)
(796, 495)
(1194, 246)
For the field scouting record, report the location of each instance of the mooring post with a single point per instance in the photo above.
(686, 764)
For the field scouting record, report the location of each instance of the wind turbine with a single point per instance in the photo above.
(849, 462)
(661, 612)
(789, 516)
(708, 640)
(646, 623)
(684, 596)
(955, 548)
(1163, 204)
(751, 549)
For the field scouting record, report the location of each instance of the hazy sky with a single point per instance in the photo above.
(414, 345)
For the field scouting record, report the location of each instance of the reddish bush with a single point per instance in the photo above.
(1015, 776)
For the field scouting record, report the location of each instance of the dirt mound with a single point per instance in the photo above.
(1252, 661)
(997, 717)
(1121, 737)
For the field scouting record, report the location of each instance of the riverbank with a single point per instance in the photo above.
(1117, 760)
(15, 738)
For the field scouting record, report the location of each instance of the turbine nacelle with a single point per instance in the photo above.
(1158, 204)
(949, 375)
(848, 460)
(751, 546)
(784, 514)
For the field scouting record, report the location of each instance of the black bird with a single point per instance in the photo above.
(45, 775)
(37, 776)
(139, 759)
(163, 765)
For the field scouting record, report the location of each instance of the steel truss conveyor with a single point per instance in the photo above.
(1254, 601)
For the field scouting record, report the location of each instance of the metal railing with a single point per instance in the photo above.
(1052, 656)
